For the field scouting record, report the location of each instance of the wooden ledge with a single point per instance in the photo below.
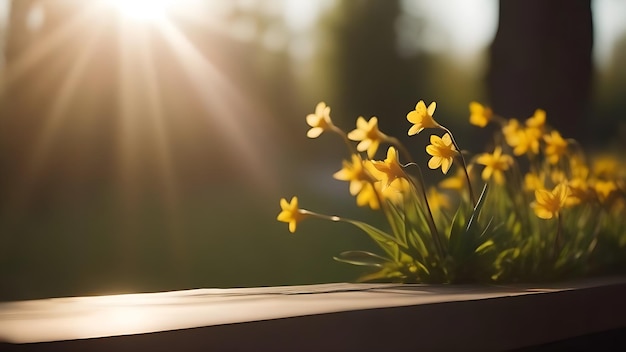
(347, 317)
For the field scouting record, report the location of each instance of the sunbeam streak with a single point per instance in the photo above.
(47, 44)
(222, 100)
(56, 117)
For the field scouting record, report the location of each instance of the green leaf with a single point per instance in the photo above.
(388, 243)
(457, 228)
(464, 235)
(362, 258)
(479, 205)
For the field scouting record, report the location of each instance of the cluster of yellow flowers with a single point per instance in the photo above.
(493, 235)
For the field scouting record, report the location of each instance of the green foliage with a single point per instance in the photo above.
(560, 219)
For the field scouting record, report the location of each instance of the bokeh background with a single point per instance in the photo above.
(144, 145)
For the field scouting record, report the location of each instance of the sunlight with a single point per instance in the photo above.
(144, 10)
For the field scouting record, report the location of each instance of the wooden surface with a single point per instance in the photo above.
(319, 317)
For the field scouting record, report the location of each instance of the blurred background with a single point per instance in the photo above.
(144, 145)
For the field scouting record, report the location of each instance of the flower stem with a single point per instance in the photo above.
(469, 183)
(431, 218)
(557, 238)
(349, 144)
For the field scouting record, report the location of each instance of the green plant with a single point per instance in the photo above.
(559, 218)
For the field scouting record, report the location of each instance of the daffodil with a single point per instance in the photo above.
(538, 120)
(319, 121)
(578, 192)
(521, 139)
(525, 140)
(396, 190)
(442, 151)
(532, 182)
(556, 146)
(290, 213)
(455, 182)
(368, 135)
(605, 167)
(495, 165)
(480, 115)
(510, 132)
(422, 117)
(390, 167)
(368, 196)
(578, 167)
(355, 173)
(438, 200)
(547, 203)
(604, 189)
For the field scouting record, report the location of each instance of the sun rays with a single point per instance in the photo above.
(128, 53)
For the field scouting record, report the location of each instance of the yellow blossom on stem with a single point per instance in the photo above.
(319, 121)
(368, 196)
(537, 121)
(422, 117)
(578, 192)
(455, 182)
(556, 146)
(524, 140)
(290, 213)
(510, 131)
(480, 115)
(438, 200)
(368, 135)
(605, 167)
(532, 182)
(355, 173)
(495, 165)
(396, 190)
(578, 167)
(604, 189)
(442, 151)
(547, 203)
(390, 168)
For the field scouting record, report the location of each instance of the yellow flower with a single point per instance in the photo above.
(557, 176)
(442, 151)
(422, 117)
(556, 146)
(368, 196)
(537, 121)
(437, 200)
(579, 192)
(390, 168)
(480, 115)
(547, 203)
(290, 213)
(457, 181)
(319, 121)
(396, 191)
(605, 167)
(578, 167)
(524, 140)
(495, 165)
(604, 189)
(368, 135)
(353, 172)
(532, 182)
(510, 131)
(521, 139)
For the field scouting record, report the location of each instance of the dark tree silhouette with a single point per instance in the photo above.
(541, 58)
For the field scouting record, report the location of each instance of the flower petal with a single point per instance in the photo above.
(431, 108)
(314, 132)
(434, 162)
